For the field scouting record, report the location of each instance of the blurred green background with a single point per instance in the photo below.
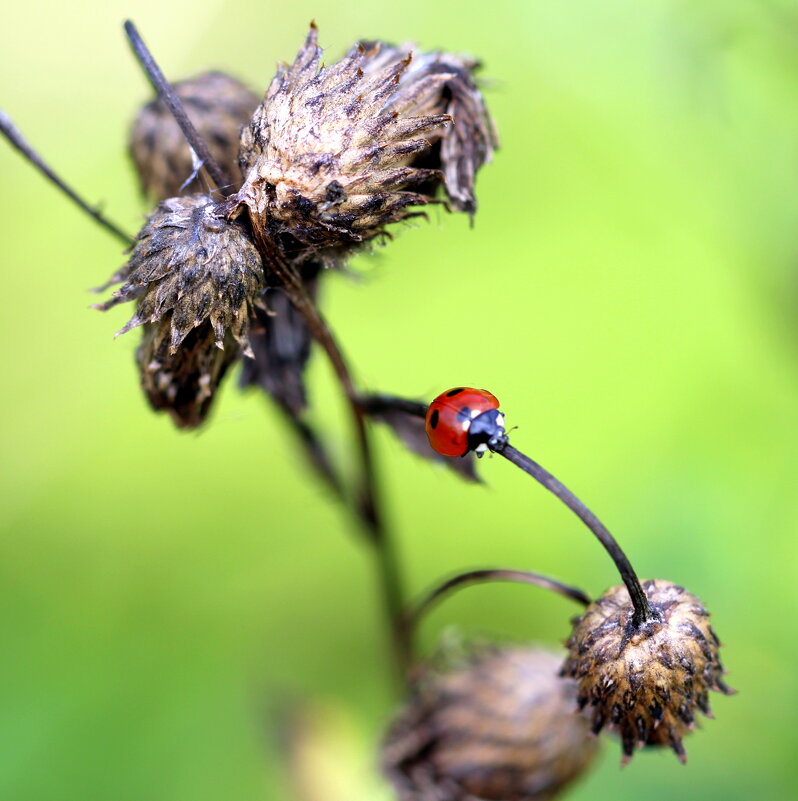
(629, 291)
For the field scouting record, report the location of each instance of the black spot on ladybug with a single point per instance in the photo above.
(464, 414)
(433, 419)
(452, 392)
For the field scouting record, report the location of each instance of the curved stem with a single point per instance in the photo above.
(18, 141)
(461, 580)
(368, 501)
(642, 609)
(167, 93)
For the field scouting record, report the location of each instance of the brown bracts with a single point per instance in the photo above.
(500, 727)
(646, 681)
(335, 153)
(195, 278)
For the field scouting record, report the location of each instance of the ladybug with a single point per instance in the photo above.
(464, 419)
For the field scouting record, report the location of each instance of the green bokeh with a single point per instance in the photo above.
(628, 290)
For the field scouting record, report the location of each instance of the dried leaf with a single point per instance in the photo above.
(406, 419)
(280, 342)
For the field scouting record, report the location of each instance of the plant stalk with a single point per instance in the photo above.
(18, 141)
(642, 609)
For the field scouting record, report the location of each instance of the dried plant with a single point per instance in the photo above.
(647, 681)
(499, 725)
(218, 104)
(329, 160)
(334, 154)
(191, 272)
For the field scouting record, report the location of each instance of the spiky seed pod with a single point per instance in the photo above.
(196, 277)
(333, 154)
(647, 681)
(501, 727)
(218, 105)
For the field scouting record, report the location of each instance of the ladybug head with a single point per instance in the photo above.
(486, 432)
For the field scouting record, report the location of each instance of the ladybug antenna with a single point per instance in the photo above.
(642, 609)
(172, 101)
(18, 141)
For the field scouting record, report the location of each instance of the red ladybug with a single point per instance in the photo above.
(464, 419)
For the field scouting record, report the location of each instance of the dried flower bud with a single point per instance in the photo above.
(503, 727)
(646, 682)
(196, 277)
(333, 154)
(218, 105)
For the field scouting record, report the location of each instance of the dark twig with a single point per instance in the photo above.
(164, 89)
(18, 141)
(435, 595)
(642, 609)
(367, 496)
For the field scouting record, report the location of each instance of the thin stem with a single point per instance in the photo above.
(642, 609)
(315, 451)
(18, 141)
(461, 580)
(368, 506)
(167, 93)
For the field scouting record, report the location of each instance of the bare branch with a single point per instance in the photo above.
(18, 141)
(164, 89)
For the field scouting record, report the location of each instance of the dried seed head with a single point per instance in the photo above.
(333, 154)
(502, 727)
(196, 277)
(218, 105)
(645, 681)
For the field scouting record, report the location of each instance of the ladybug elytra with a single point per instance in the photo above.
(465, 419)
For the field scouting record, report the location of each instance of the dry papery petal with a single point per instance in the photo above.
(218, 105)
(646, 682)
(470, 140)
(501, 727)
(334, 154)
